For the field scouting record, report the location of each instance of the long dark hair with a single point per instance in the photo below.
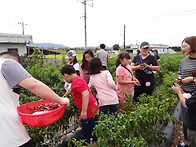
(122, 56)
(95, 66)
(74, 61)
(84, 62)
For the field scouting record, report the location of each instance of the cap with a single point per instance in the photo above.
(144, 44)
(71, 54)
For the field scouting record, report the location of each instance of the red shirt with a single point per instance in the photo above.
(77, 87)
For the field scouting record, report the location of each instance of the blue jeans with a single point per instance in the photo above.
(184, 122)
(109, 109)
(88, 127)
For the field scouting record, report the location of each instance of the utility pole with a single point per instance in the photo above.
(124, 37)
(85, 26)
(22, 23)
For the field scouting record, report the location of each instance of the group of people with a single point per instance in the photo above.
(79, 79)
(111, 96)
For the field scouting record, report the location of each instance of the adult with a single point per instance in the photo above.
(102, 54)
(189, 103)
(144, 64)
(187, 65)
(156, 55)
(12, 77)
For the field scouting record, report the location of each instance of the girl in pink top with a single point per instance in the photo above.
(124, 78)
(105, 86)
(87, 56)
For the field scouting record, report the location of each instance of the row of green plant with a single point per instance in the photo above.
(136, 127)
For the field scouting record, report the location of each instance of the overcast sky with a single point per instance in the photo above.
(62, 21)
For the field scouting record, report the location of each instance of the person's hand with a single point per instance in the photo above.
(65, 101)
(136, 82)
(83, 115)
(141, 66)
(176, 88)
(179, 80)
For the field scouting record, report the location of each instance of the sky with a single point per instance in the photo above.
(62, 21)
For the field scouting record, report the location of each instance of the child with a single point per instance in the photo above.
(83, 99)
(105, 86)
(71, 55)
(87, 55)
(189, 103)
(124, 78)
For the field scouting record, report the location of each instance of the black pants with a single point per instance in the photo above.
(138, 90)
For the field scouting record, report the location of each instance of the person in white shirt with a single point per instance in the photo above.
(12, 77)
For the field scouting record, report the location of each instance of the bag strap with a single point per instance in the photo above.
(141, 60)
(127, 69)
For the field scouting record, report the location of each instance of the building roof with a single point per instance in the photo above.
(15, 38)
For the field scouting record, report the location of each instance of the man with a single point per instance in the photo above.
(103, 56)
(12, 77)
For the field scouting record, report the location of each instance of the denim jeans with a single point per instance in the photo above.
(88, 127)
(109, 109)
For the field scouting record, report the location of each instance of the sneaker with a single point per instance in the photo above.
(182, 144)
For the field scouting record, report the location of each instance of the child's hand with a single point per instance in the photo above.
(83, 115)
(136, 82)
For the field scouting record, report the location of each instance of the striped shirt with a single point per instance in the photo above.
(187, 65)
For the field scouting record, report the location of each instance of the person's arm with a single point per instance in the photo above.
(120, 80)
(178, 90)
(42, 90)
(151, 67)
(137, 67)
(187, 80)
(67, 93)
(85, 100)
(110, 81)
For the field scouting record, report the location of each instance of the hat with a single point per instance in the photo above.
(71, 54)
(144, 44)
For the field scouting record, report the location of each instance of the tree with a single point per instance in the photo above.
(116, 47)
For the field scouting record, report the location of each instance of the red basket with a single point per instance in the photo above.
(39, 120)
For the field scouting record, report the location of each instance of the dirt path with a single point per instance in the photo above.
(178, 133)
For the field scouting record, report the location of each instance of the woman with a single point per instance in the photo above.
(187, 65)
(144, 65)
(87, 56)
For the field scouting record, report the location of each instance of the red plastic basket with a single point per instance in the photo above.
(39, 120)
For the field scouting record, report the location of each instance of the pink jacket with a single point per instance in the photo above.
(106, 88)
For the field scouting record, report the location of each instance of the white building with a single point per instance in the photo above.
(161, 48)
(15, 42)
